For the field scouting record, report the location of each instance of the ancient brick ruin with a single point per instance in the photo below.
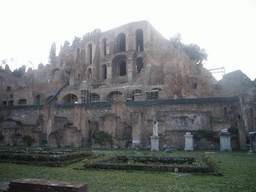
(118, 81)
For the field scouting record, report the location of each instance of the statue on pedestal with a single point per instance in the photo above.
(155, 128)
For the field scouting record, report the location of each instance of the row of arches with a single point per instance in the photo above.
(121, 41)
(87, 97)
(119, 67)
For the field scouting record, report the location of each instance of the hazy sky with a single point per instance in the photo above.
(226, 29)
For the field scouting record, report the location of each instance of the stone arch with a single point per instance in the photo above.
(119, 66)
(193, 82)
(139, 40)
(121, 42)
(69, 98)
(139, 64)
(94, 97)
(113, 95)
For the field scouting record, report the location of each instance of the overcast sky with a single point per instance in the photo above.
(226, 29)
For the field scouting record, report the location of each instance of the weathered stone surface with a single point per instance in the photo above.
(119, 81)
(39, 185)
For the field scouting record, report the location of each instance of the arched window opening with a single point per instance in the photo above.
(193, 83)
(139, 64)
(22, 102)
(104, 46)
(90, 53)
(69, 99)
(38, 99)
(104, 72)
(77, 55)
(139, 40)
(119, 66)
(10, 103)
(121, 42)
(89, 73)
(94, 97)
(112, 96)
(123, 68)
(82, 56)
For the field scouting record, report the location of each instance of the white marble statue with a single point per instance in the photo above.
(155, 128)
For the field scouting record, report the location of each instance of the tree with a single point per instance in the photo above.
(52, 52)
(19, 72)
(196, 53)
(176, 40)
(66, 43)
(28, 140)
(76, 40)
(193, 50)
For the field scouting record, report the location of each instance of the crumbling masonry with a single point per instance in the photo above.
(118, 81)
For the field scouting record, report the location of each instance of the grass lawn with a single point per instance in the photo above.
(238, 168)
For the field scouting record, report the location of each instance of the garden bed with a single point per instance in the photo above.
(48, 157)
(151, 163)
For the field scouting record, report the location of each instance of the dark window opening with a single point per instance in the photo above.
(94, 97)
(152, 95)
(38, 100)
(121, 44)
(139, 64)
(122, 68)
(10, 103)
(11, 96)
(90, 53)
(139, 40)
(225, 110)
(104, 72)
(70, 98)
(8, 88)
(193, 83)
(112, 96)
(105, 46)
(22, 102)
(4, 102)
(89, 75)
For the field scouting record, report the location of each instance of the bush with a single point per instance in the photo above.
(28, 140)
(102, 138)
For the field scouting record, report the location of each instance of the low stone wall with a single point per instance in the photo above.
(38, 185)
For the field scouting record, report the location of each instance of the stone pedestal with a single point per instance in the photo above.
(225, 144)
(154, 143)
(252, 143)
(188, 142)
